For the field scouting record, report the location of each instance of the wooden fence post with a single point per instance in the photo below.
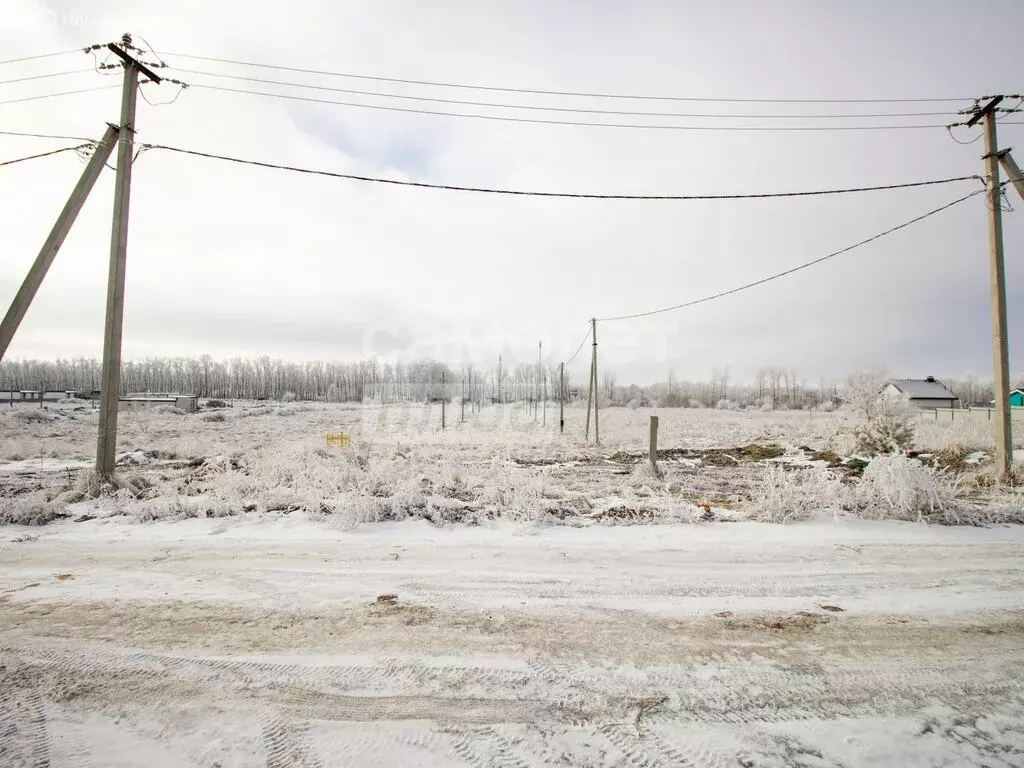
(654, 445)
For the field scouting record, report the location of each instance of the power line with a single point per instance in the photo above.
(42, 56)
(585, 337)
(569, 122)
(590, 196)
(45, 154)
(531, 107)
(42, 77)
(778, 275)
(580, 94)
(45, 136)
(63, 93)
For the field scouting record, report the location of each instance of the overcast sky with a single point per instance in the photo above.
(236, 260)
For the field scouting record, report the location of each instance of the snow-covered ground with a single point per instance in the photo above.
(248, 611)
(265, 641)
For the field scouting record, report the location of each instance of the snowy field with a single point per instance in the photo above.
(495, 594)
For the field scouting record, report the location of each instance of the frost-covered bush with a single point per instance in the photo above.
(213, 417)
(215, 403)
(726, 405)
(633, 404)
(288, 397)
(351, 511)
(898, 488)
(767, 405)
(169, 410)
(889, 428)
(28, 511)
(31, 415)
(796, 494)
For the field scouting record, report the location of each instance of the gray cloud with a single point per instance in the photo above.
(230, 260)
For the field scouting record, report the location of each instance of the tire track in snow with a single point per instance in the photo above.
(285, 745)
(24, 740)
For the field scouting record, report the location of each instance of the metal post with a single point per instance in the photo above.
(442, 400)
(561, 398)
(1004, 438)
(110, 381)
(462, 403)
(61, 228)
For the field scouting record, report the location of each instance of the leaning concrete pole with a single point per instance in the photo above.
(23, 298)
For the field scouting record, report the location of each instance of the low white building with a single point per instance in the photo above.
(926, 393)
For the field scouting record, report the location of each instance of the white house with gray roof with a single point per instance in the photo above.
(926, 393)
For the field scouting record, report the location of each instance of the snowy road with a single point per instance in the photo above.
(262, 643)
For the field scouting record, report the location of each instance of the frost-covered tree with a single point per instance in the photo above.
(860, 391)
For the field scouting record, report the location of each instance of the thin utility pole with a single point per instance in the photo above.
(590, 390)
(1004, 436)
(61, 228)
(561, 398)
(443, 393)
(110, 380)
(597, 392)
(544, 382)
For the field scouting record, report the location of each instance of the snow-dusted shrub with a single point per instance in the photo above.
(511, 493)
(351, 511)
(889, 428)
(694, 403)
(767, 405)
(726, 405)
(214, 402)
(28, 511)
(173, 507)
(796, 494)
(633, 404)
(31, 415)
(293, 410)
(827, 406)
(1007, 507)
(213, 417)
(169, 410)
(288, 397)
(898, 488)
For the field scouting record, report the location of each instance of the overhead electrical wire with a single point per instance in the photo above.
(43, 77)
(45, 154)
(790, 271)
(41, 56)
(62, 93)
(543, 92)
(506, 118)
(587, 336)
(44, 136)
(537, 108)
(525, 193)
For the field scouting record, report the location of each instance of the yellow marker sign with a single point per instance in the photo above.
(341, 439)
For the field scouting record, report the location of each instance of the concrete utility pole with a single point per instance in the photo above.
(597, 392)
(1004, 435)
(110, 378)
(561, 398)
(61, 228)
(544, 380)
(1012, 170)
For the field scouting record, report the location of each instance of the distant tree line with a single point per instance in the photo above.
(266, 378)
